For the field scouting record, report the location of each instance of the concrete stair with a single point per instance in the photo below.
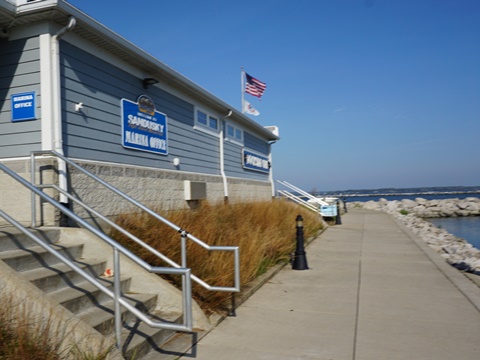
(64, 286)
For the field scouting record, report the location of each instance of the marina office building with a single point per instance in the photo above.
(69, 84)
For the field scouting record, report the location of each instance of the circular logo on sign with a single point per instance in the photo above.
(146, 105)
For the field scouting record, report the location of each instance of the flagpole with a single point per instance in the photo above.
(242, 83)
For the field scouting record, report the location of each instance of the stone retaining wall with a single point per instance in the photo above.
(456, 251)
(154, 188)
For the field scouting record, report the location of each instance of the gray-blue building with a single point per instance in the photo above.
(69, 84)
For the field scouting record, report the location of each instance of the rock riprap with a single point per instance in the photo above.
(456, 251)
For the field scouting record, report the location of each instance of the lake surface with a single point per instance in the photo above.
(411, 197)
(467, 228)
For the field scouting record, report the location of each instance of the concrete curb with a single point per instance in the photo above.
(469, 287)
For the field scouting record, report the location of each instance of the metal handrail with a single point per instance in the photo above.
(299, 200)
(186, 273)
(184, 234)
(302, 192)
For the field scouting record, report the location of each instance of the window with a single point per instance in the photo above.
(233, 133)
(212, 123)
(206, 121)
(202, 118)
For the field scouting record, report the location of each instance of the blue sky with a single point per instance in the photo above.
(366, 93)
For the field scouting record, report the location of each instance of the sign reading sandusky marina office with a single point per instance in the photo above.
(144, 128)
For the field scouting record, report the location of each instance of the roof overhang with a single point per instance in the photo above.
(59, 11)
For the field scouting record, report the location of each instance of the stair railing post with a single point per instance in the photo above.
(116, 289)
(183, 236)
(32, 180)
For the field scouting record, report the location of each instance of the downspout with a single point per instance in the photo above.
(57, 106)
(222, 156)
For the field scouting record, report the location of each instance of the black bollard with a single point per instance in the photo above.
(338, 218)
(345, 204)
(300, 257)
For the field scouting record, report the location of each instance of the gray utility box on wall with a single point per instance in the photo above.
(195, 190)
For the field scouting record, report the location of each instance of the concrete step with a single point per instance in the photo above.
(102, 318)
(84, 295)
(36, 256)
(67, 288)
(139, 339)
(13, 239)
(180, 344)
(57, 276)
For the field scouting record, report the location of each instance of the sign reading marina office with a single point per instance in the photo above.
(144, 128)
(255, 162)
(23, 106)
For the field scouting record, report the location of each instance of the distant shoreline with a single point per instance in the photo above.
(476, 192)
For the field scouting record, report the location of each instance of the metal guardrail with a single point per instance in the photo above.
(303, 193)
(315, 204)
(299, 200)
(116, 294)
(183, 234)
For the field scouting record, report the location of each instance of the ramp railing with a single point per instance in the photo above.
(298, 200)
(307, 200)
(303, 193)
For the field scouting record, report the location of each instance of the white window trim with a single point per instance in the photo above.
(234, 139)
(206, 128)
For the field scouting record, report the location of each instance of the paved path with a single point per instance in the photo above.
(374, 292)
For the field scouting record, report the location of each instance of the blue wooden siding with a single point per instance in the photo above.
(19, 72)
(96, 133)
(255, 144)
(234, 161)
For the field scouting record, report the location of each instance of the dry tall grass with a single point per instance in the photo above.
(264, 232)
(23, 338)
(26, 333)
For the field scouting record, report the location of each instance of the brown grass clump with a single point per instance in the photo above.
(24, 334)
(264, 232)
(23, 337)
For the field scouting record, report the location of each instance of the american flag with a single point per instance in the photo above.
(254, 86)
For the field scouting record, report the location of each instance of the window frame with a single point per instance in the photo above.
(209, 117)
(235, 129)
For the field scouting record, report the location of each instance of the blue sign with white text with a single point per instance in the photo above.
(144, 128)
(23, 106)
(252, 161)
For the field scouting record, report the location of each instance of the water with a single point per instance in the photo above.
(467, 228)
(428, 193)
(411, 197)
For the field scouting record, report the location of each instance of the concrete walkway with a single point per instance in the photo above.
(373, 292)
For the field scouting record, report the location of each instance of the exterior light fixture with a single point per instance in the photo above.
(176, 162)
(299, 221)
(148, 82)
(79, 107)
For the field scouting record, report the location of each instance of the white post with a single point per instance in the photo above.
(242, 82)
